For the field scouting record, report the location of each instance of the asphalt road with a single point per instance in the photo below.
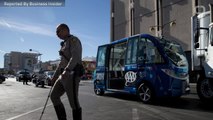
(25, 102)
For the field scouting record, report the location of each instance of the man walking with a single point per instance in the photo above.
(65, 78)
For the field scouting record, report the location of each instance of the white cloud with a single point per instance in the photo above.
(22, 39)
(3, 52)
(88, 40)
(87, 37)
(30, 28)
(4, 23)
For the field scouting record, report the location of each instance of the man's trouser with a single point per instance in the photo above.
(25, 81)
(70, 86)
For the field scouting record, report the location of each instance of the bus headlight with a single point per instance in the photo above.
(169, 72)
(210, 73)
(173, 74)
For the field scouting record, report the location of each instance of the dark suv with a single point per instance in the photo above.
(23, 75)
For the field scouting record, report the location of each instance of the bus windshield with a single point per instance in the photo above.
(174, 52)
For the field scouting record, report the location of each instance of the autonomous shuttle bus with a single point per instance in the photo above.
(143, 65)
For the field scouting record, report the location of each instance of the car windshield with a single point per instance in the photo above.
(174, 52)
(49, 73)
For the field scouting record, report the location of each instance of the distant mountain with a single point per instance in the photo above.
(89, 58)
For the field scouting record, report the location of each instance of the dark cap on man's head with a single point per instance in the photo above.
(63, 25)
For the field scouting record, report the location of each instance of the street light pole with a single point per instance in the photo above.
(38, 54)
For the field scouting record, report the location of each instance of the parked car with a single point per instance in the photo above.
(21, 75)
(39, 79)
(49, 75)
(2, 79)
(86, 76)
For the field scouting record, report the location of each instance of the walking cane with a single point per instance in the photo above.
(46, 103)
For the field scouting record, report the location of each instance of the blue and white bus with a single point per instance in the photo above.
(143, 65)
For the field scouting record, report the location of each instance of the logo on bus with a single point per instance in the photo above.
(100, 76)
(130, 77)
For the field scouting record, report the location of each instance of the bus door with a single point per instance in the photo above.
(117, 55)
(102, 66)
(131, 62)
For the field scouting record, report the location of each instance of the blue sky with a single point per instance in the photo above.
(24, 28)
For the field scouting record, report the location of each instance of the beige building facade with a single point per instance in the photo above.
(18, 61)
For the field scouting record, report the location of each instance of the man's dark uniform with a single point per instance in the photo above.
(71, 53)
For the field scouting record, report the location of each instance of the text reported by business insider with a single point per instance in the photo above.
(32, 3)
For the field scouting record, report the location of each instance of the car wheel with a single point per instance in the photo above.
(1, 81)
(204, 90)
(145, 93)
(42, 84)
(48, 82)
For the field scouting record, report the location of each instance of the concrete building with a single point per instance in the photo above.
(168, 18)
(18, 61)
(50, 65)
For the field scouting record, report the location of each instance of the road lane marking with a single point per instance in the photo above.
(15, 117)
(23, 114)
(135, 115)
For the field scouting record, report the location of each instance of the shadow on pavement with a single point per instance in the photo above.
(45, 87)
(185, 103)
(180, 103)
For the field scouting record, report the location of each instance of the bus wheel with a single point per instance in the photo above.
(98, 91)
(145, 93)
(204, 89)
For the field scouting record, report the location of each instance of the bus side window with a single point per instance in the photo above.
(148, 53)
(141, 51)
(153, 55)
(132, 51)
